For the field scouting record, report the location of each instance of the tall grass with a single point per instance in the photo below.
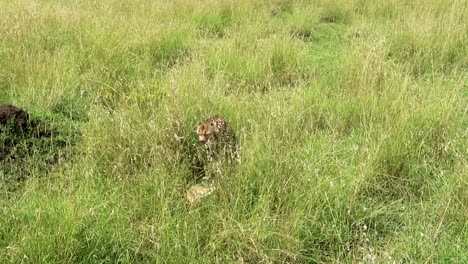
(351, 119)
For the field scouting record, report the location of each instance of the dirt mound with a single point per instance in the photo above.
(12, 121)
(10, 114)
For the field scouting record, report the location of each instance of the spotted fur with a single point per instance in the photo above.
(218, 139)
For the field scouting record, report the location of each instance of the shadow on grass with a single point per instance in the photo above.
(33, 150)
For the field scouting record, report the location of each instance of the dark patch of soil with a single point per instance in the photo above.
(13, 116)
(30, 145)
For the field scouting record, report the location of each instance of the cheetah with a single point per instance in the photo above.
(219, 144)
(198, 192)
(218, 139)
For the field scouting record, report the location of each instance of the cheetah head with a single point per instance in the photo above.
(205, 131)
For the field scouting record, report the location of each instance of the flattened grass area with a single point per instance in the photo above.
(351, 117)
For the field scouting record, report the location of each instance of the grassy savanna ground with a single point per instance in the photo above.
(351, 115)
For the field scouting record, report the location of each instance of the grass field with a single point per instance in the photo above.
(351, 116)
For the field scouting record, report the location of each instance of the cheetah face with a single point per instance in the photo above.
(205, 131)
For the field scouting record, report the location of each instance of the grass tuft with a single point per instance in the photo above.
(215, 25)
(169, 50)
(335, 12)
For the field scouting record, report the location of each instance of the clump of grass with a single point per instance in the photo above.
(329, 32)
(284, 66)
(242, 72)
(425, 54)
(169, 50)
(54, 36)
(112, 78)
(72, 106)
(277, 66)
(434, 45)
(371, 74)
(282, 7)
(123, 138)
(351, 234)
(335, 12)
(215, 24)
(302, 28)
(119, 75)
(400, 166)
